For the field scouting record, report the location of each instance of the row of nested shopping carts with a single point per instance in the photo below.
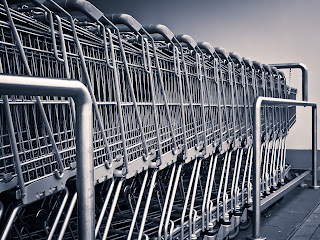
(172, 128)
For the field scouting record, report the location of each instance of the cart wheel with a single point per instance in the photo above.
(234, 232)
(245, 225)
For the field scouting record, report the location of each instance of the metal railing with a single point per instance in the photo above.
(257, 153)
(37, 86)
(304, 75)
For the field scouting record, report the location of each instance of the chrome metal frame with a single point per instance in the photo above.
(37, 86)
(257, 151)
(304, 75)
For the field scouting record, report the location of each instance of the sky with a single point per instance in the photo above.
(269, 31)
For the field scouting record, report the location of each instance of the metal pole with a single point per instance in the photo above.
(85, 168)
(256, 171)
(314, 149)
(304, 75)
(38, 86)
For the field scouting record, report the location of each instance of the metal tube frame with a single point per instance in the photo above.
(304, 75)
(256, 153)
(38, 86)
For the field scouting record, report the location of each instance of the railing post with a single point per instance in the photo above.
(314, 149)
(256, 172)
(85, 167)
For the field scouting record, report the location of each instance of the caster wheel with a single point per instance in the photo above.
(245, 225)
(234, 233)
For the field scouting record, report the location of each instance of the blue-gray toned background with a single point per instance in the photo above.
(269, 31)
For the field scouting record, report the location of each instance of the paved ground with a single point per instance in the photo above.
(296, 217)
(309, 228)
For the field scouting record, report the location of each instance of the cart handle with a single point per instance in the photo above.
(187, 40)
(275, 70)
(80, 5)
(235, 56)
(125, 19)
(267, 67)
(222, 52)
(162, 30)
(282, 74)
(257, 64)
(247, 62)
(207, 47)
